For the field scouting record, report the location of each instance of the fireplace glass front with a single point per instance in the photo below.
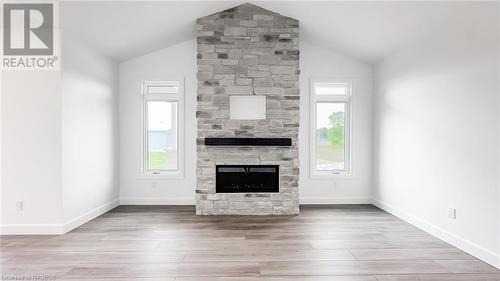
(246, 178)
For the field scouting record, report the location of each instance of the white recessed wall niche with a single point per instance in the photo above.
(247, 107)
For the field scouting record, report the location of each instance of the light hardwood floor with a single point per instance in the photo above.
(323, 243)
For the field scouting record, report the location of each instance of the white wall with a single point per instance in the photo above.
(1, 209)
(318, 62)
(31, 151)
(59, 146)
(498, 133)
(89, 132)
(179, 61)
(176, 62)
(436, 142)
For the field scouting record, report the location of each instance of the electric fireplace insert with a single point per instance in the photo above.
(246, 178)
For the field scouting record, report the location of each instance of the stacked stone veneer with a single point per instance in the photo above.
(248, 50)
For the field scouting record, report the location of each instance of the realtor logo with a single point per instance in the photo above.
(28, 36)
(28, 29)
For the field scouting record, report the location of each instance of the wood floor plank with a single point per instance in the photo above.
(405, 254)
(351, 267)
(440, 277)
(118, 279)
(259, 235)
(467, 266)
(268, 255)
(204, 278)
(378, 244)
(165, 270)
(162, 236)
(230, 244)
(86, 246)
(133, 257)
(285, 278)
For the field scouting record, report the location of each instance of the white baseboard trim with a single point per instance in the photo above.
(191, 201)
(90, 215)
(157, 201)
(465, 245)
(334, 200)
(57, 229)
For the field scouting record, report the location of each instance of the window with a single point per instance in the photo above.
(330, 127)
(162, 111)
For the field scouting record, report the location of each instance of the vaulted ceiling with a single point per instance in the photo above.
(368, 31)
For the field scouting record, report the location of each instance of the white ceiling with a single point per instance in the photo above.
(368, 31)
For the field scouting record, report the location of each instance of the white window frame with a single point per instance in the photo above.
(177, 97)
(314, 100)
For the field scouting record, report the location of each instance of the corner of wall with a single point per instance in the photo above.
(90, 133)
(88, 216)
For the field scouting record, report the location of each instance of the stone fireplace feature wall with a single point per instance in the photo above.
(248, 50)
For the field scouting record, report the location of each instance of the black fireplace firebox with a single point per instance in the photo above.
(246, 178)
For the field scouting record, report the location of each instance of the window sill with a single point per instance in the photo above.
(161, 176)
(330, 175)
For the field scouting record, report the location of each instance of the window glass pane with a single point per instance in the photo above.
(331, 89)
(330, 136)
(161, 135)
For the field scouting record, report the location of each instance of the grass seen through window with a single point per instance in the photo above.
(330, 136)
